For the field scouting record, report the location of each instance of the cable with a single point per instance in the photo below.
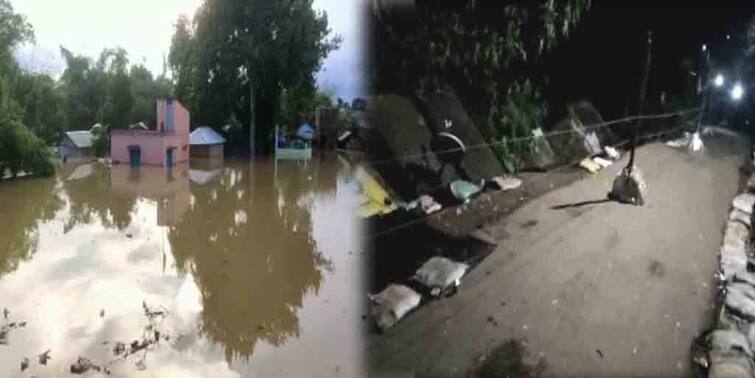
(536, 179)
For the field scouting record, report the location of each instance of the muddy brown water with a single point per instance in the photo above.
(226, 269)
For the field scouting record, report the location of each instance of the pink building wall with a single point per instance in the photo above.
(155, 143)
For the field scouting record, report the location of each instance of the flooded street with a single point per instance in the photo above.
(238, 268)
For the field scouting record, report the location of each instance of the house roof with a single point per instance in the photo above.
(138, 125)
(204, 135)
(81, 139)
(305, 131)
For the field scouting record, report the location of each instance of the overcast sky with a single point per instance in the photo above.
(144, 28)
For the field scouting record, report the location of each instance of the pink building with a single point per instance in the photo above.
(165, 146)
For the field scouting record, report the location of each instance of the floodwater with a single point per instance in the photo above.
(226, 269)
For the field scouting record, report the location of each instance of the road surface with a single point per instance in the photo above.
(598, 289)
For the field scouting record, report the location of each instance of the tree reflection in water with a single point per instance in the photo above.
(243, 230)
(247, 239)
(25, 203)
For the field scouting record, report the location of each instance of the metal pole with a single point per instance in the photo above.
(706, 92)
(643, 90)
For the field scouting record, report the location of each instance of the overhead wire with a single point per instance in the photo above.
(586, 129)
(549, 172)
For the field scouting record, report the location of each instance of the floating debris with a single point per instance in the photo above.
(25, 363)
(83, 365)
(44, 357)
(119, 348)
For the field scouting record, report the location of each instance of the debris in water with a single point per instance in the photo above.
(634, 350)
(600, 352)
(83, 365)
(5, 313)
(119, 348)
(44, 357)
(25, 364)
(153, 313)
(129, 236)
(102, 313)
(137, 346)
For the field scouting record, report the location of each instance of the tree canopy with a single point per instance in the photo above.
(258, 55)
(20, 148)
(480, 50)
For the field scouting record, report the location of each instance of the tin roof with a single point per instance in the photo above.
(82, 139)
(204, 135)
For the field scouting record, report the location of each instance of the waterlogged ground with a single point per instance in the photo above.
(210, 270)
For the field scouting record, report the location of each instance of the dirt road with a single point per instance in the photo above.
(598, 289)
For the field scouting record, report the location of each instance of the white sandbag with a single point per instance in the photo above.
(612, 153)
(744, 202)
(440, 273)
(730, 366)
(429, 205)
(393, 303)
(602, 162)
(740, 216)
(736, 235)
(740, 297)
(680, 142)
(729, 342)
(506, 182)
(695, 143)
(733, 261)
(730, 354)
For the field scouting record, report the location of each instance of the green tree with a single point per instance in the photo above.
(113, 71)
(480, 51)
(42, 103)
(82, 91)
(238, 56)
(144, 90)
(20, 148)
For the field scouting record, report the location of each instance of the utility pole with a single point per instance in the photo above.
(706, 91)
(251, 117)
(643, 90)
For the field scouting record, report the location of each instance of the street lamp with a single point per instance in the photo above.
(719, 80)
(737, 92)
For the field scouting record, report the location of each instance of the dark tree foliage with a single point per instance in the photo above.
(479, 50)
(20, 149)
(238, 57)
